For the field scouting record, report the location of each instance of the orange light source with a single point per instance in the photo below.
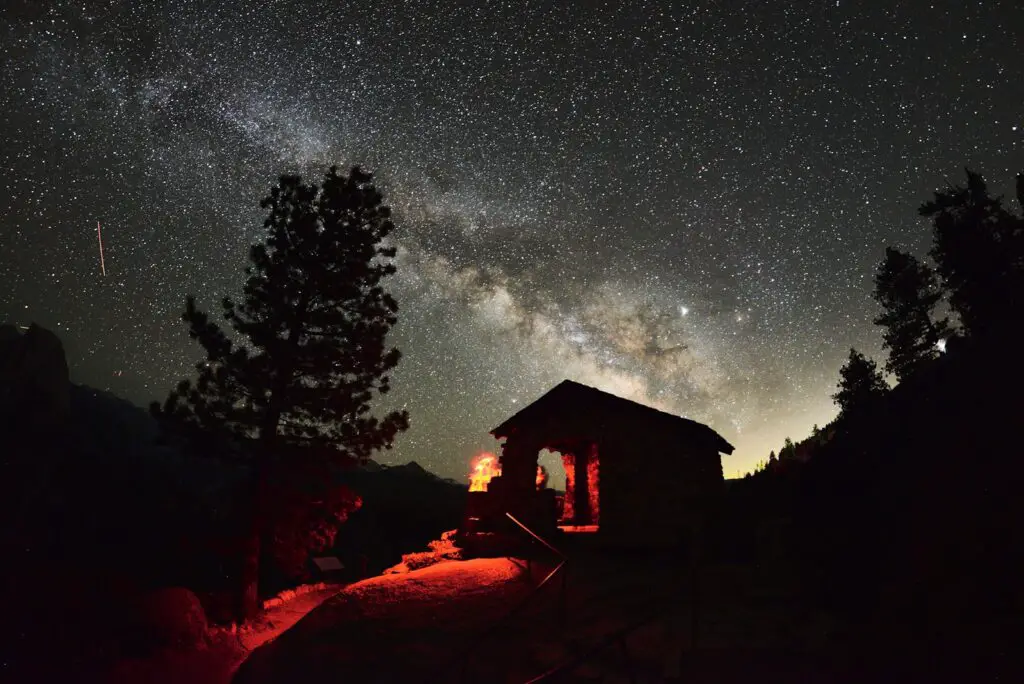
(485, 467)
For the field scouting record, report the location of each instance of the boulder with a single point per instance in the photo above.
(170, 618)
(34, 379)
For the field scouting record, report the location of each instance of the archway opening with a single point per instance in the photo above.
(554, 468)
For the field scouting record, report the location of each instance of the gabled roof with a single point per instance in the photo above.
(568, 397)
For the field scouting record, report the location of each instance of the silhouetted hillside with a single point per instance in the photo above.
(94, 511)
(904, 523)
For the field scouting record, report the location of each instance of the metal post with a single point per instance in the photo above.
(627, 661)
(694, 588)
(564, 598)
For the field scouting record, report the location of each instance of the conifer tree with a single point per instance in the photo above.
(292, 389)
(860, 384)
(908, 293)
(979, 250)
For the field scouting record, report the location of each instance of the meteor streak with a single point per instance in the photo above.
(99, 236)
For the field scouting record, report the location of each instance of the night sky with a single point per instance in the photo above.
(680, 203)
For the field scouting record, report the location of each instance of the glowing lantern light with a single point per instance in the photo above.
(485, 466)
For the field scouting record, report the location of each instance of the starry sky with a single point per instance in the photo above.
(680, 203)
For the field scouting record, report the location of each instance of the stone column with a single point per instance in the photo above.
(581, 495)
(519, 464)
(515, 490)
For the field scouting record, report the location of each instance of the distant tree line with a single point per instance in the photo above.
(976, 278)
(978, 251)
(898, 520)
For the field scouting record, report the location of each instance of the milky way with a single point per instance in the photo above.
(680, 203)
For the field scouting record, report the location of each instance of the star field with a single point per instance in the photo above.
(680, 203)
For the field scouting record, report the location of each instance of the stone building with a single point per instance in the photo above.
(635, 475)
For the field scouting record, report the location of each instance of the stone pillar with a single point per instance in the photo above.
(515, 490)
(594, 483)
(581, 495)
(519, 465)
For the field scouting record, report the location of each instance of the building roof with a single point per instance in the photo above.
(568, 397)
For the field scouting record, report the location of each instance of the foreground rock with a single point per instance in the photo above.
(170, 618)
(34, 381)
(405, 627)
(214, 659)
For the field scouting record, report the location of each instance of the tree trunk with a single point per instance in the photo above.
(252, 550)
(259, 524)
(249, 582)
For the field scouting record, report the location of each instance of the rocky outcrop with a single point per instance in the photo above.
(34, 381)
(169, 618)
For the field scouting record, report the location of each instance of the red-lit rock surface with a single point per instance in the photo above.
(424, 626)
(401, 627)
(215, 661)
(171, 618)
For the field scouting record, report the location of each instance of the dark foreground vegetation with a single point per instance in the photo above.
(240, 476)
(98, 517)
(896, 524)
(902, 524)
(901, 517)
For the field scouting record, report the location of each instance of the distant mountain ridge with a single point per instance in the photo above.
(411, 469)
(404, 507)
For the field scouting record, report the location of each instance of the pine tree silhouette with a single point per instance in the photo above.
(1020, 191)
(979, 249)
(908, 293)
(788, 450)
(860, 384)
(295, 392)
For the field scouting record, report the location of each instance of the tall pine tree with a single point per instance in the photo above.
(908, 293)
(292, 389)
(979, 249)
(860, 384)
